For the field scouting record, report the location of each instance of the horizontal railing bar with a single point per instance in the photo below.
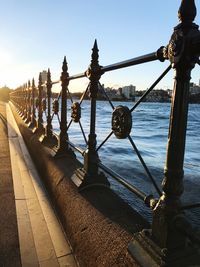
(77, 76)
(73, 77)
(130, 62)
(121, 180)
(191, 206)
(55, 82)
(123, 64)
(52, 83)
(78, 149)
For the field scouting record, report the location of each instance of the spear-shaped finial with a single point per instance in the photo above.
(64, 74)
(48, 77)
(95, 54)
(29, 83)
(187, 11)
(33, 82)
(64, 66)
(40, 79)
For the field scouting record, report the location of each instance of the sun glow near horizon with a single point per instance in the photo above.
(29, 46)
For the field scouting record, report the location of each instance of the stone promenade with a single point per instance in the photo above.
(30, 233)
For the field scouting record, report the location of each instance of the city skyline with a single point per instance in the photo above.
(38, 34)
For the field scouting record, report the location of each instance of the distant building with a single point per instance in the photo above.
(119, 91)
(44, 76)
(157, 95)
(169, 91)
(194, 89)
(128, 91)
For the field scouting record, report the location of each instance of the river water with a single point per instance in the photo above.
(149, 132)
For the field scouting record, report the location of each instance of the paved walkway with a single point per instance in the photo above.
(40, 240)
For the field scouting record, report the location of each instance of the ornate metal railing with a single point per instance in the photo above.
(170, 229)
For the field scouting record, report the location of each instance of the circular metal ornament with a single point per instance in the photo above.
(55, 106)
(121, 122)
(176, 47)
(76, 112)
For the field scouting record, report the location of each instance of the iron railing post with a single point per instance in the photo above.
(40, 127)
(90, 173)
(21, 100)
(173, 246)
(63, 146)
(48, 130)
(25, 102)
(28, 117)
(178, 52)
(48, 135)
(33, 119)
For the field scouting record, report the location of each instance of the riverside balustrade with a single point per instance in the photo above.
(166, 243)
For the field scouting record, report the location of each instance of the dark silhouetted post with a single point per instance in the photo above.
(25, 102)
(178, 52)
(33, 119)
(90, 174)
(48, 136)
(40, 111)
(48, 130)
(21, 100)
(167, 215)
(28, 117)
(63, 146)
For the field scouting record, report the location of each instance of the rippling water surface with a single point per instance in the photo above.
(149, 132)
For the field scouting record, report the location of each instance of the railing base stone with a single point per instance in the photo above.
(24, 117)
(52, 140)
(84, 181)
(39, 131)
(147, 253)
(64, 152)
(28, 119)
(21, 113)
(32, 125)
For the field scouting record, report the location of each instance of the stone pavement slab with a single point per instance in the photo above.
(30, 232)
(9, 242)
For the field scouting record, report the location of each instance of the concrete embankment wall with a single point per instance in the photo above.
(98, 224)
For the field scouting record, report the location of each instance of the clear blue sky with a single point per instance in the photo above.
(36, 34)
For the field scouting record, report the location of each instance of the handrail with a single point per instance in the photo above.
(121, 180)
(149, 200)
(158, 55)
(135, 61)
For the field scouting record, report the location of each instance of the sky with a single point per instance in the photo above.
(37, 34)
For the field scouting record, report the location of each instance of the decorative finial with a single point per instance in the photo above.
(48, 76)
(64, 74)
(65, 67)
(29, 83)
(40, 79)
(33, 82)
(95, 54)
(187, 11)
